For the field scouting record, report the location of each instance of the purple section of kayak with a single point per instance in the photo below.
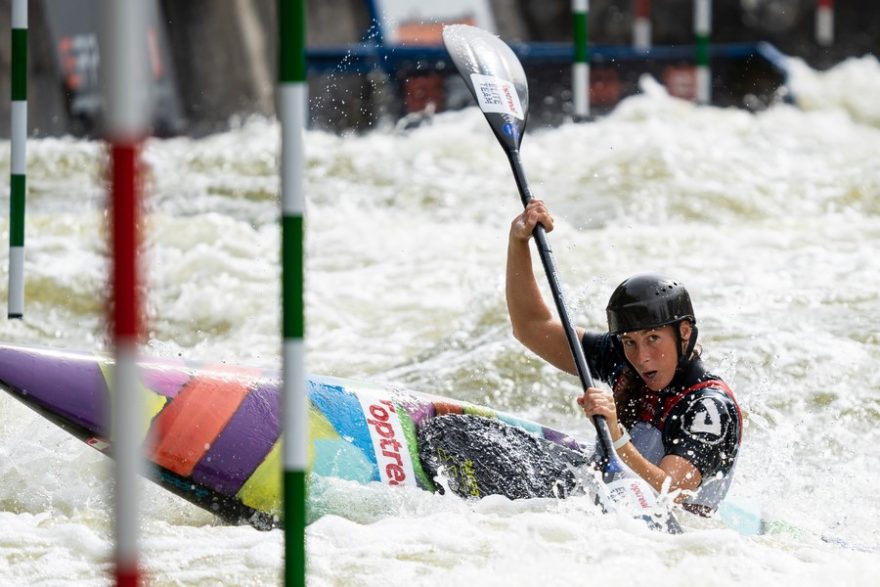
(70, 385)
(245, 441)
(418, 410)
(166, 377)
(561, 438)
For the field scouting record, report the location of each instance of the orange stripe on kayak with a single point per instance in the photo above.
(443, 408)
(184, 430)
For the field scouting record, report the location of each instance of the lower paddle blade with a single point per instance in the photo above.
(636, 497)
(495, 78)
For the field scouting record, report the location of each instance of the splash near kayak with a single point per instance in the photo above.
(216, 434)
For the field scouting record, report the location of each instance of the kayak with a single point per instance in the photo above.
(215, 436)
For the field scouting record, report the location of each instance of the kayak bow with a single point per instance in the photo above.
(215, 432)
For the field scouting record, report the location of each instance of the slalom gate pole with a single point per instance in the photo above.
(702, 31)
(825, 22)
(580, 70)
(124, 73)
(293, 109)
(642, 25)
(18, 167)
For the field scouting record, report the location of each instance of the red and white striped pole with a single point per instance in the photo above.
(825, 22)
(642, 25)
(123, 63)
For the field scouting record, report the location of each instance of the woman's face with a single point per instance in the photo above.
(653, 353)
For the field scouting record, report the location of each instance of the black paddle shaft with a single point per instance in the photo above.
(549, 264)
(498, 83)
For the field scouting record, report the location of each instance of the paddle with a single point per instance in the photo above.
(497, 81)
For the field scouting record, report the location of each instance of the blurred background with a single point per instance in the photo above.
(767, 205)
(376, 61)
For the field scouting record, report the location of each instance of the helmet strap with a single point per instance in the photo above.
(684, 358)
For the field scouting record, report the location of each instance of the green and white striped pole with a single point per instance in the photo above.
(18, 168)
(702, 30)
(293, 109)
(825, 22)
(642, 25)
(580, 70)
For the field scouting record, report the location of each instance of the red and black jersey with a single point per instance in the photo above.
(696, 417)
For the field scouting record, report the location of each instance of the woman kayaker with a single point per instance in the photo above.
(672, 422)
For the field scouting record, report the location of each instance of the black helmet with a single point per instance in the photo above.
(647, 301)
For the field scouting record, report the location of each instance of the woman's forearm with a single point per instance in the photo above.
(681, 474)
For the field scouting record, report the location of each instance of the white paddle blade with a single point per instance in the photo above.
(495, 78)
(634, 496)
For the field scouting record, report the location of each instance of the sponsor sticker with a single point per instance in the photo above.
(98, 444)
(389, 442)
(497, 95)
(630, 493)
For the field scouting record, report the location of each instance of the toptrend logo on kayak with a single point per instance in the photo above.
(389, 443)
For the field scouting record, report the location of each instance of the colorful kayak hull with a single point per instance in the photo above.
(214, 430)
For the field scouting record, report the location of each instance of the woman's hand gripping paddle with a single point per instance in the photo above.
(498, 83)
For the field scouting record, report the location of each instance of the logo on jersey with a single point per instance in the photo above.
(706, 420)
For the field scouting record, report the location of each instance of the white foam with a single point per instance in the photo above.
(770, 219)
